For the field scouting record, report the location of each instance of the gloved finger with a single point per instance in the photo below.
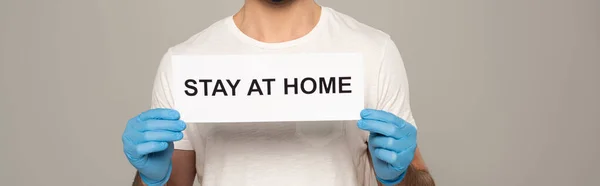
(161, 136)
(379, 127)
(392, 158)
(168, 125)
(387, 156)
(392, 144)
(150, 147)
(129, 147)
(405, 157)
(380, 115)
(159, 113)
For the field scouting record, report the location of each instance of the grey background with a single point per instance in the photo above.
(505, 92)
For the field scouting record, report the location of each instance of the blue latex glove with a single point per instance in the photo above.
(392, 144)
(148, 143)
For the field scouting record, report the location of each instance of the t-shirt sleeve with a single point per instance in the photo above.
(162, 98)
(391, 95)
(392, 84)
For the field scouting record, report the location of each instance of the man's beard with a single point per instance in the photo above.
(279, 2)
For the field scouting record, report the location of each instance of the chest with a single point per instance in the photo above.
(305, 152)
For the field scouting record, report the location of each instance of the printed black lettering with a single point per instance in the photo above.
(269, 84)
(205, 82)
(192, 87)
(233, 86)
(303, 85)
(326, 87)
(342, 84)
(219, 88)
(257, 89)
(294, 85)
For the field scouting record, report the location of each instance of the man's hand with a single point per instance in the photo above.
(392, 144)
(148, 143)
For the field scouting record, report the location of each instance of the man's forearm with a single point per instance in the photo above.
(137, 181)
(415, 177)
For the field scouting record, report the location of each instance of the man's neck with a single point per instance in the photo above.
(277, 23)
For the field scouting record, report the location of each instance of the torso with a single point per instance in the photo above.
(291, 153)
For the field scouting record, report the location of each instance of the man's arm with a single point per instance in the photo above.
(416, 177)
(137, 180)
(184, 169)
(417, 173)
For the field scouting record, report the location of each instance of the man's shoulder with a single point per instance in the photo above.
(202, 39)
(351, 29)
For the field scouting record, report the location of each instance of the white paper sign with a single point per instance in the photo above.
(268, 88)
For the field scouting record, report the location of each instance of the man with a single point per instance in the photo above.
(378, 149)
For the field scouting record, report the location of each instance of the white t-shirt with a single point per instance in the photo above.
(291, 153)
